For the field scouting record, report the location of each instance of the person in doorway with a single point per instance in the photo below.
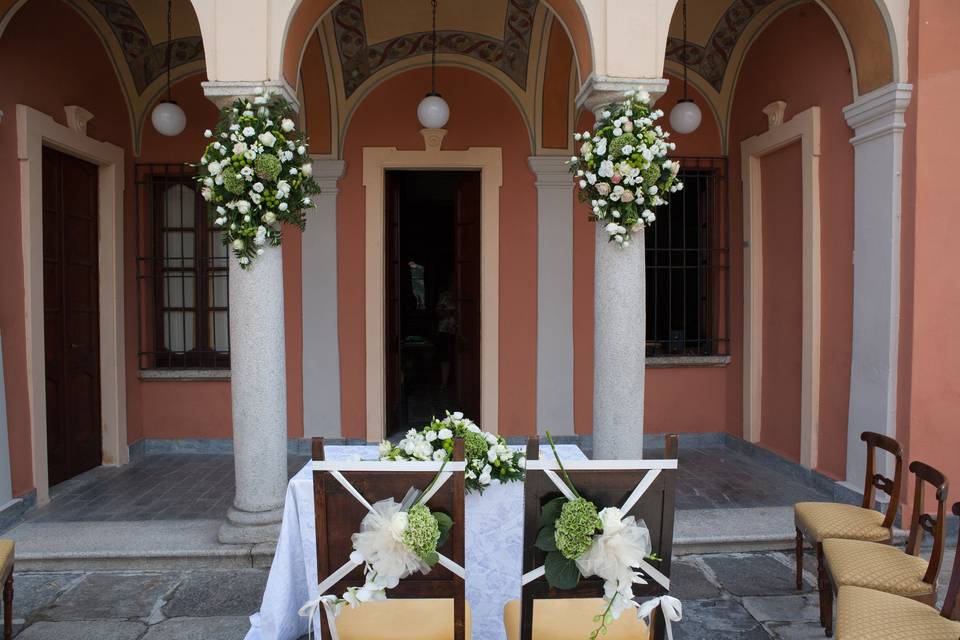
(446, 333)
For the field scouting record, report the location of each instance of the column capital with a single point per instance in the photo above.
(551, 171)
(327, 172)
(224, 92)
(878, 112)
(599, 91)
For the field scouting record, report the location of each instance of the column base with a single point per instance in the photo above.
(250, 527)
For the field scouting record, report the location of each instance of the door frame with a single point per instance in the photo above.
(376, 162)
(35, 130)
(805, 129)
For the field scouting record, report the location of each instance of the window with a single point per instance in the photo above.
(182, 281)
(688, 265)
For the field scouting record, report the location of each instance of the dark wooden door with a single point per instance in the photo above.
(71, 315)
(467, 280)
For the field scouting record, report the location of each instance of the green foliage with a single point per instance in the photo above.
(617, 144)
(232, 182)
(561, 572)
(445, 523)
(422, 533)
(576, 525)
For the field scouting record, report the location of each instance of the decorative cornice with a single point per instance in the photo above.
(774, 112)
(77, 118)
(223, 92)
(599, 91)
(433, 138)
(327, 173)
(551, 171)
(878, 112)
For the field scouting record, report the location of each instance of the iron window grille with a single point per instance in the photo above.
(183, 317)
(688, 265)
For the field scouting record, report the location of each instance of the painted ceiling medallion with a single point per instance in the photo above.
(711, 61)
(360, 60)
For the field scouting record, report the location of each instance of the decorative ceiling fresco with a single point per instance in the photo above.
(146, 60)
(711, 60)
(360, 58)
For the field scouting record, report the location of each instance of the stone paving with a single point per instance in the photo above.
(725, 596)
(189, 486)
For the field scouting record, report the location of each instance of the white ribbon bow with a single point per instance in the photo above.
(670, 607)
(330, 607)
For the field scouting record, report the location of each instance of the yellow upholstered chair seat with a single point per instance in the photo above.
(865, 614)
(396, 619)
(6, 556)
(875, 566)
(563, 619)
(822, 520)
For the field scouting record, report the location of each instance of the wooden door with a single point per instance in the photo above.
(71, 315)
(468, 270)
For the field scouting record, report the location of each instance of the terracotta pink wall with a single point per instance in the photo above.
(929, 372)
(778, 67)
(482, 115)
(782, 231)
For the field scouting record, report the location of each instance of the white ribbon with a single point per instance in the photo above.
(329, 602)
(670, 607)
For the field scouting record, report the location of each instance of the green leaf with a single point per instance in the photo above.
(432, 558)
(551, 511)
(547, 539)
(561, 572)
(445, 523)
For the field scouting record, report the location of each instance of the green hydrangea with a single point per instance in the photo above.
(267, 166)
(422, 532)
(651, 174)
(618, 143)
(576, 525)
(474, 445)
(233, 182)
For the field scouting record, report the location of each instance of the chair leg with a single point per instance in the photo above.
(822, 585)
(799, 553)
(8, 607)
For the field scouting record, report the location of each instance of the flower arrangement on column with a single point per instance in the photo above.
(256, 173)
(622, 167)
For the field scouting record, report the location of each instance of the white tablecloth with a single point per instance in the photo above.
(494, 553)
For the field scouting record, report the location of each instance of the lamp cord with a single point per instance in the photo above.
(685, 49)
(433, 52)
(169, 45)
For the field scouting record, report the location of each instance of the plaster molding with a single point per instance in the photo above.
(599, 91)
(804, 128)
(327, 173)
(879, 112)
(774, 112)
(36, 129)
(77, 118)
(224, 92)
(376, 162)
(551, 171)
(433, 138)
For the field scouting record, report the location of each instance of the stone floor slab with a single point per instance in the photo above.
(34, 591)
(217, 593)
(754, 575)
(101, 596)
(722, 619)
(84, 630)
(796, 631)
(207, 628)
(688, 582)
(799, 608)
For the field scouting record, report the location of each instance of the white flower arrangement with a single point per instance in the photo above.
(622, 167)
(256, 173)
(487, 455)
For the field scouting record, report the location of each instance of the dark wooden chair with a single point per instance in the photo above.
(431, 606)
(865, 613)
(819, 521)
(573, 610)
(6, 576)
(883, 567)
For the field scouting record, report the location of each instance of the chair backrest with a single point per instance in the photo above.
(921, 521)
(875, 480)
(338, 515)
(951, 604)
(605, 483)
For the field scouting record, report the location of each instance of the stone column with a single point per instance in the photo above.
(877, 121)
(554, 294)
(620, 315)
(321, 346)
(258, 382)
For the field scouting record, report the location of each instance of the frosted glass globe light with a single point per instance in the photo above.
(433, 111)
(168, 118)
(685, 117)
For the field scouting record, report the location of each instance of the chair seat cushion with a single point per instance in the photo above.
(563, 619)
(822, 520)
(6, 557)
(875, 566)
(400, 619)
(865, 614)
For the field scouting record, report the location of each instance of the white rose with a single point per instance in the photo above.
(491, 454)
(384, 448)
(243, 206)
(213, 168)
(301, 149)
(431, 436)
(238, 244)
(287, 125)
(398, 524)
(240, 148)
(269, 217)
(250, 154)
(258, 187)
(248, 131)
(612, 519)
(282, 206)
(484, 478)
(307, 169)
(439, 455)
(445, 434)
(268, 139)
(207, 133)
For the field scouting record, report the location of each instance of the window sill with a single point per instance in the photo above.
(184, 374)
(683, 362)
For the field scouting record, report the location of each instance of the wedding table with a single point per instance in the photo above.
(494, 552)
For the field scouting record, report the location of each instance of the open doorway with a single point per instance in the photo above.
(433, 296)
